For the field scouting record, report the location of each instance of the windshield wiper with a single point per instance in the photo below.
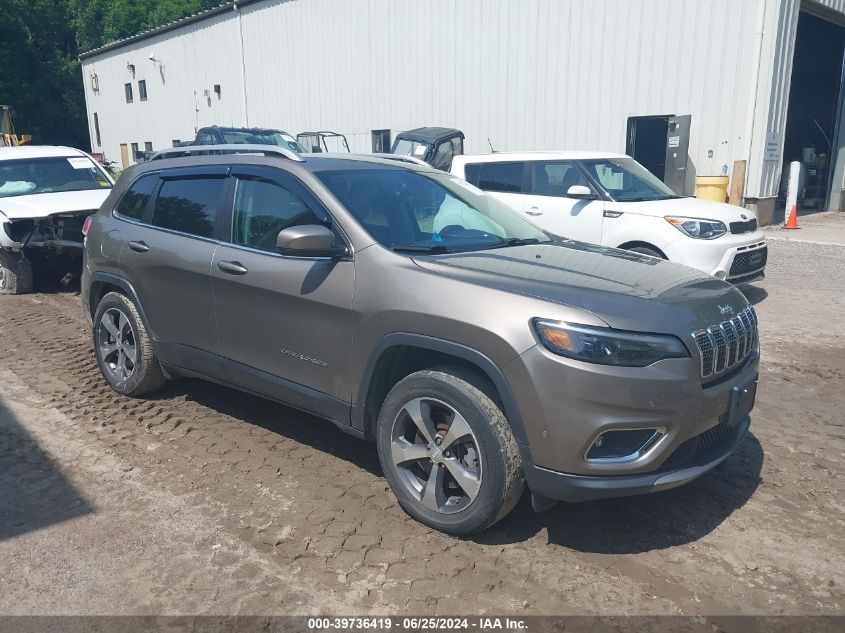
(414, 248)
(513, 241)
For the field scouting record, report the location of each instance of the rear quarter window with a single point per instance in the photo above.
(502, 177)
(135, 200)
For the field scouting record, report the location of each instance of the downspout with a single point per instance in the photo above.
(243, 62)
(755, 83)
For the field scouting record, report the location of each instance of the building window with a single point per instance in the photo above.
(135, 151)
(142, 90)
(97, 129)
(148, 146)
(127, 88)
(381, 141)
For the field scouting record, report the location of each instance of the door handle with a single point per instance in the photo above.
(534, 211)
(233, 268)
(138, 247)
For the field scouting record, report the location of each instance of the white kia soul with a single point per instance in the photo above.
(611, 199)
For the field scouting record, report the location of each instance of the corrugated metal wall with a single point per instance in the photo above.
(193, 59)
(527, 74)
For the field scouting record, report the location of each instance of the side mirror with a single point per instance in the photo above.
(579, 192)
(309, 240)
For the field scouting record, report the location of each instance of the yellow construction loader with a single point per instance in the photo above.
(8, 138)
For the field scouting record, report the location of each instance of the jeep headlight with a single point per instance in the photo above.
(698, 228)
(606, 346)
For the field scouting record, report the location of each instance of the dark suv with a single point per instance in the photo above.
(410, 308)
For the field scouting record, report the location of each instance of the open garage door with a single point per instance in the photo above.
(814, 131)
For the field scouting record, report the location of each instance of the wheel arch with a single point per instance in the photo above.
(635, 243)
(398, 355)
(103, 283)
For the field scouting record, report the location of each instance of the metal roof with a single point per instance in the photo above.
(196, 17)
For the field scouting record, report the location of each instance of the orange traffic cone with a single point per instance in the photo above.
(792, 218)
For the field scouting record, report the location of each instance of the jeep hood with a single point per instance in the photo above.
(41, 205)
(626, 290)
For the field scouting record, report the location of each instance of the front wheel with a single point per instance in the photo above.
(15, 274)
(447, 451)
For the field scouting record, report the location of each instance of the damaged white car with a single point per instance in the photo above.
(45, 195)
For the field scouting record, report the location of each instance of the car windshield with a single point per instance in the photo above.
(420, 212)
(627, 181)
(261, 137)
(411, 148)
(27, 176)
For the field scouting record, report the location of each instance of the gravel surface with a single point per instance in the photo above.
(201, 499)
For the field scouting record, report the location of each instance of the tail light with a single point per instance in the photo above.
(86, 226)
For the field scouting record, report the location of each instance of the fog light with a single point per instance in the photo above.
(623, 445)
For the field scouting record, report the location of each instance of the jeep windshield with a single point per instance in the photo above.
(50, 175)
(417, 212)
(627, 181)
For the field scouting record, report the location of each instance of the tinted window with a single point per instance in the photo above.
(262, 209)
(505, 177)
(134, 201)
(472, 172)
(555, 179)
(142, 90)
(189, 206)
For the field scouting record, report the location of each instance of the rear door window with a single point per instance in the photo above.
(502, 177)
(189, 205)
(134, 202)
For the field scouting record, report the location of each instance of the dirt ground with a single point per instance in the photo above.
(205, 500)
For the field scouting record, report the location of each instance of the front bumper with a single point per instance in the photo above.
(734, 258)
(573, 488)
(566, 405)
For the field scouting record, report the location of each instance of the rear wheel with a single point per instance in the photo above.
(15, 274)
(447, 451)
(123, 348)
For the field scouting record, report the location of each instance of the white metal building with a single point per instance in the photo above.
(646, 77)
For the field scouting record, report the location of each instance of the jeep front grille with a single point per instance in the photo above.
(725, 345)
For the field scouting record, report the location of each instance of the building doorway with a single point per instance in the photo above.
(660, 143)
(813, 134)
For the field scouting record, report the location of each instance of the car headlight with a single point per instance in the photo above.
(698, 228)
(606, 346)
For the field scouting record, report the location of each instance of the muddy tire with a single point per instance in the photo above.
(15, 274)
(123, 349)
(447, 451)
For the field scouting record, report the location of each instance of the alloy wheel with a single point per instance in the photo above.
(117, 344)
(436, 455)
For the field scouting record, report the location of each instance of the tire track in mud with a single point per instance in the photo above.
(313, 500)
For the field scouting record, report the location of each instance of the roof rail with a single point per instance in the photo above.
(235, 148)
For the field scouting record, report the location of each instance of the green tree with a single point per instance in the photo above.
(40, 41)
